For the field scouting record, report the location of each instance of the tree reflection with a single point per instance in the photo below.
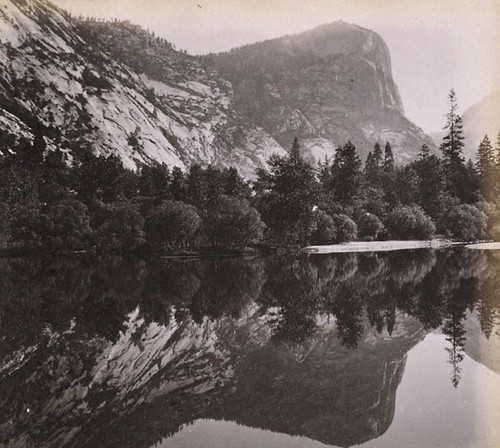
(354, 291)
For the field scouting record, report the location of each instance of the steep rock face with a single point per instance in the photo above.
(479, 120)
(71, 80)
(326, 86)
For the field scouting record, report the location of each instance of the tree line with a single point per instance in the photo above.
(94, 204)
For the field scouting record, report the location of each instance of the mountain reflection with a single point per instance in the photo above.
(123, 351)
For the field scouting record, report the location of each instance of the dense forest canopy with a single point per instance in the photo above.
(94, 204)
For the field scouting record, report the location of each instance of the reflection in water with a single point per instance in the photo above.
(124, 352)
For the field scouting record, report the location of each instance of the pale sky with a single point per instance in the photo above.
(435, 45)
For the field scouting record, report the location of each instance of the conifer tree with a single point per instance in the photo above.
(345, 174)
(485, 158)
(377, 155)
(424, 152)
(370, 164)
(453, 144)
(388, 158)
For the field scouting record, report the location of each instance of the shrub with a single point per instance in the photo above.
(465, 222)
(233, 223)
(64, 226)
(347, 230)
(172, 224)
(118, 226)
(325, 231)
(25, 225)
(410, 221)
(369, 226)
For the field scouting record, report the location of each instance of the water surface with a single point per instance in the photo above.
(383, 350)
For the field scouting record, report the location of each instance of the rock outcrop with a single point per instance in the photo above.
(113, 88)
(326, 86)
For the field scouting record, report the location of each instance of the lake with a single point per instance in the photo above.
(395, 349)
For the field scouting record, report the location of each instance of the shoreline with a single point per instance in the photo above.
(381, 246)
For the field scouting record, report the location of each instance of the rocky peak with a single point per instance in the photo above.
(336, 78)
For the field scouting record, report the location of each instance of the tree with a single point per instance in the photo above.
(453, 144)
(465, 222)
(369, 226)
(65, 226)
(119, 226)
(233, 223)
(377, 155)
(432, 193)
(286, 196)
(172, 225)
(154, 180)
(325, 231)
(388, 158)
(408, 222)
(347, 230)
(486, 169)
(343, 179)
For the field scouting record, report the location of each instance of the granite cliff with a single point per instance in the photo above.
(327, 85)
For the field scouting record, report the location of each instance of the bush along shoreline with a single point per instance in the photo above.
(94, 205)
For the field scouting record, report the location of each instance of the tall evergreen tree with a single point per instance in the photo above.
(453, 144)
(485, 157)
(377, 155)
(370, 166)
(388, 158)
(424, 152)
(287, 197)
(345, 175)
(486, 169)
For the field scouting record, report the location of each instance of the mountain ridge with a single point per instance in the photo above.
(329, 85)
(110, 87)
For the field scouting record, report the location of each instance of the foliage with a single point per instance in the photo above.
(119, 226)
(286, 196)
(466, 222)
(342, 179)
(172, 225)
(453, 144)
(408, 222)
(325, 231)
(347, 230)
(65, 226)
(369, 225)
(486, 169)
(233, 223)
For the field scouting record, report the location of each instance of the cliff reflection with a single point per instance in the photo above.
(123, 351)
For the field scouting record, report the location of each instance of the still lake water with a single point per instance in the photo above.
(397, 349)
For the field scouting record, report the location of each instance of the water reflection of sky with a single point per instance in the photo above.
(429, 412)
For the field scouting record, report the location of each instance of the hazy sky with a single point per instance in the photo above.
(435, 45)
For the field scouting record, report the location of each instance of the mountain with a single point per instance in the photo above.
(479, 120)
(328, 85)
(113, 88)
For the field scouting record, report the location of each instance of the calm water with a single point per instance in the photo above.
(390, 350)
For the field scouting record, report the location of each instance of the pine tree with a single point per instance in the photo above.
(485, 158)
(388, 158)
(370, 165)
(377, 155)
(486, 169)
(424, 152)
(497, 151)
(286, 203)
(345, 175)
(453, 144)
(295, 151)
